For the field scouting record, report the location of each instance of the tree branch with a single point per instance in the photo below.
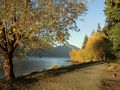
(5, 36)
(2, 48)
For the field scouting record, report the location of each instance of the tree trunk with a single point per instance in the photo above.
(8, 66)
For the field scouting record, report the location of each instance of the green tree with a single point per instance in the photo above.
(112, 12)
(84, 42)
(98, 28)
(115, 38)
(35, 24)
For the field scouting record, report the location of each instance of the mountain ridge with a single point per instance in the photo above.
(59, 51)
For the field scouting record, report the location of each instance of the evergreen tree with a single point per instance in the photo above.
(112, 12)
(98, 28)
(93, 32)
(85, 40)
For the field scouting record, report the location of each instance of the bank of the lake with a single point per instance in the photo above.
(86, 76)
(23, 66)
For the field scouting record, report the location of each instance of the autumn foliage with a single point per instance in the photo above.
(95, 49)
(35, 24)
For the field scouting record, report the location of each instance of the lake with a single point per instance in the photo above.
(30, 64)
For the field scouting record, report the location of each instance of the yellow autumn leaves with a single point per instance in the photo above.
(95, 49)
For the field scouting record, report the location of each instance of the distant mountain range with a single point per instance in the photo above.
(59, 51)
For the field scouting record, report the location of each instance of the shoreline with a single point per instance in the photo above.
(71, 67)
(34, 77)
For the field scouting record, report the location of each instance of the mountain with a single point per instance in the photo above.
(59, 51)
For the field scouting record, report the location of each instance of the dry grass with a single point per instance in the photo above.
(112, 81)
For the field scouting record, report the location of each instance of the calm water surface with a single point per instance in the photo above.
(31, 64)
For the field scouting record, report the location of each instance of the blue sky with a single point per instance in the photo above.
(94, 15)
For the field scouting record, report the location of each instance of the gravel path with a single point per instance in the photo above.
(88, 78)
(96, 77)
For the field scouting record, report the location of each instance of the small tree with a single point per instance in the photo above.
(98, 28)
(84, 42)
(35, 24)
(93, 32)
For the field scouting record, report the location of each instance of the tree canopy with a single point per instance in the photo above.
(96, 49)
(97, 45)
(35, 24)
(47, 21)
(112, 12)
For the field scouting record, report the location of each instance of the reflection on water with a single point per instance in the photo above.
(30, 64)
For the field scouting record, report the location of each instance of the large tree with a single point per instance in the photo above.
(35, 24)
(112, 29)
(96, 49)
(97, 45)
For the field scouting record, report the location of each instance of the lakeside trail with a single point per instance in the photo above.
(96, 77)
(88, 78)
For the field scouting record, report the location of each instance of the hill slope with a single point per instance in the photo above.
(59, 51)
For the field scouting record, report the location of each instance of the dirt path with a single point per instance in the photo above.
(95, 77)
(88, 78)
